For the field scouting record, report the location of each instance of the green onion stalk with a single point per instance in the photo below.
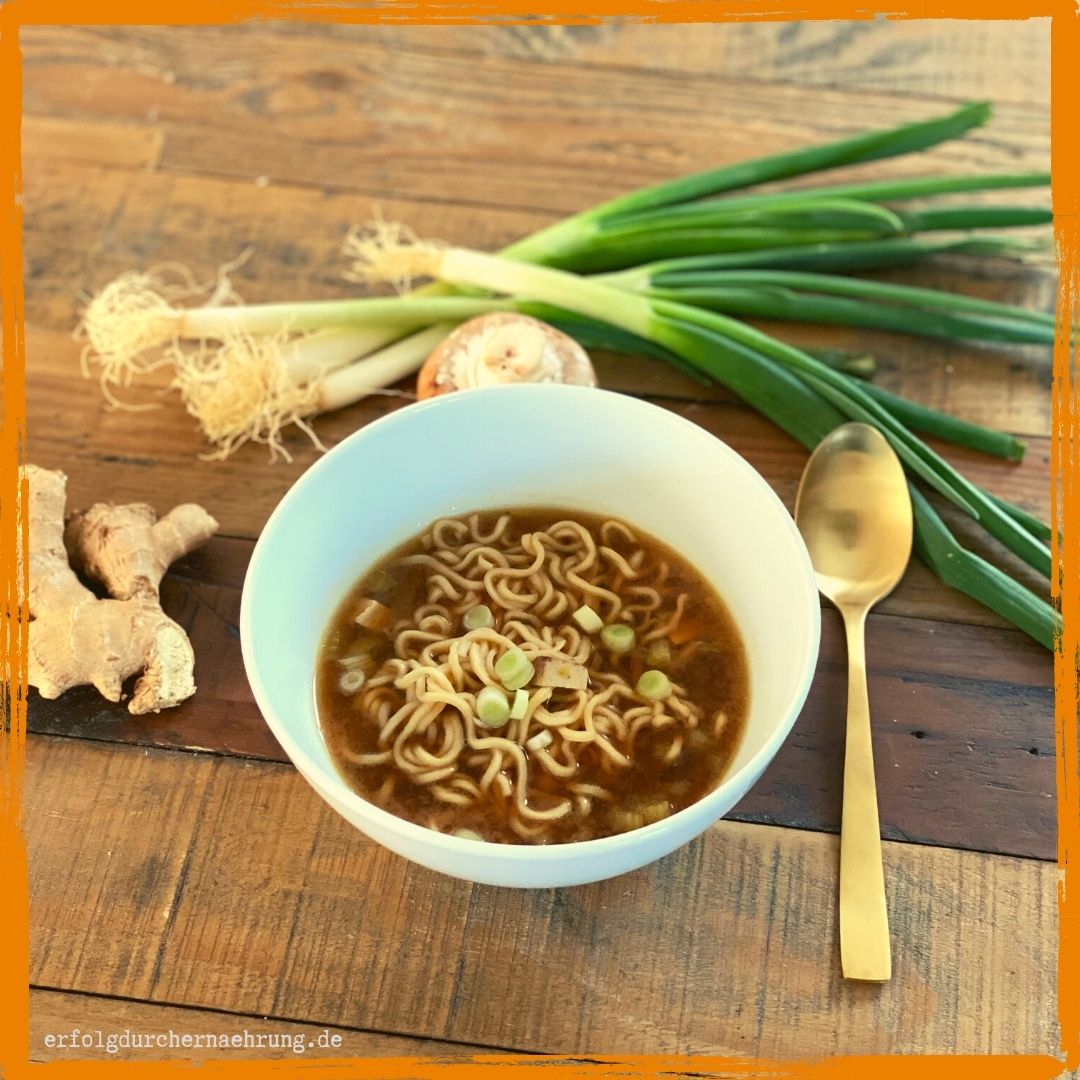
(802, 395)
(827, 222)
(593, 334)
(826, 298)
(584, 229)
(873, 236)
(868, 254)
(140, 313)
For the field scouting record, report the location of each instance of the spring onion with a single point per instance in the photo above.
(478, 618)
(361, 660)
(872, 146)
(878, 191)
(540, 741)
(921, 418)
(513, 669)
(520, 706)
(351, 680)
(810, 297)
(138, 312)
(715, 227)
(492, 708)
(588, 620)
(975, 217)
(263, 376)
(593, 334)
(618, 637)
(865, 254)
(966, 571)
(654, 685)
(666, 322)
(786, 304)
(929, 421)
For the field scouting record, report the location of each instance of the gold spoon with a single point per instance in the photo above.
(854, 512)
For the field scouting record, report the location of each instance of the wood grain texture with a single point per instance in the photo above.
(141, 1031)
(1006, 61)
(89, 143)
(283, 909)
(359, 113)
(963, 719)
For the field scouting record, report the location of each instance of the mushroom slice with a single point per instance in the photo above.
(551, 671)
(503, 347)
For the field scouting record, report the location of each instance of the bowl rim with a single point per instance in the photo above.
(332, 786)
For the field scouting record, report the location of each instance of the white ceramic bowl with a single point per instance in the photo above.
(543, 445)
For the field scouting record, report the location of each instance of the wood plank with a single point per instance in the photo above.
(727, 946)
(963, 718)
(119, 800)
(130, 146)
(1004, 61)
(142, 1031)
(363, 113)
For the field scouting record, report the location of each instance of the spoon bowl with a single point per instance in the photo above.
(854, 512)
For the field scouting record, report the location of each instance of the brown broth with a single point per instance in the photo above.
(714, 673)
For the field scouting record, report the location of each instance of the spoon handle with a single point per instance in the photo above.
(864, 917)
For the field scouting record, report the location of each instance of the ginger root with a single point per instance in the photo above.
(78, 639)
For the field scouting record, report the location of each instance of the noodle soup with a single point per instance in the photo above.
(532, 676)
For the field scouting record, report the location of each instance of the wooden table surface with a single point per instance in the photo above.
(183, 875)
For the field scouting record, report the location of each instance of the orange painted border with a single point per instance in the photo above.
(1065, 468)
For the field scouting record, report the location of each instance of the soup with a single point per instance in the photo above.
(532, 676)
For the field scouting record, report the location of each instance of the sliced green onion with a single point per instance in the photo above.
(520, 706)
(514, 669)
(588, 620)
(659, 654)
(492, 708)
(619, 637)
(351, 681)
(478, 617)
(654, 685)
(540, 741)
(355, 660)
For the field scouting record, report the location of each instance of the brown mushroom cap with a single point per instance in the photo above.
(503, 347)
